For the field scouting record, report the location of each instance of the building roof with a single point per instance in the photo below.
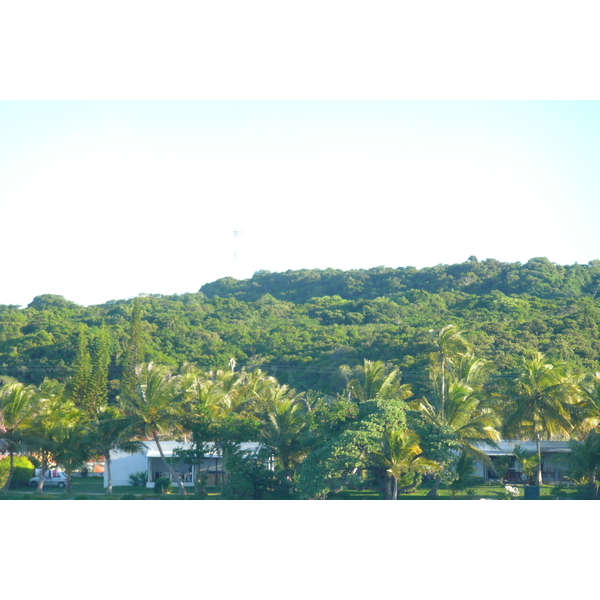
(168, 447)
(507, 447)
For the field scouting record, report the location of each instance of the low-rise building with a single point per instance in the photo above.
(148, 460)
(552, 469)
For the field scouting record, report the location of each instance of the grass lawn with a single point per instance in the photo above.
(487, 491)
(92, 488)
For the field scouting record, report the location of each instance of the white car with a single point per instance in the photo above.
(53, 477)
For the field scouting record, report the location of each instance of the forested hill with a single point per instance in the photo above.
(538, 277)
(302, 325)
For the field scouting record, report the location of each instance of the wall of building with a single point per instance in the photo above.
(123, 464)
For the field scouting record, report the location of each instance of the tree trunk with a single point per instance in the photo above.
(197, 482)
(109, 486)
(539, 455)
(40, 486)
(174, 476)
(443, 390)
(432, 493)
(200, 479)
(388, 488)
(224, 465)
(69, 486)
(394, 489)
(201, 476)
(288, 474)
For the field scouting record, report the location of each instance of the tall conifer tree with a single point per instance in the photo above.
(97, 389)
(82, 371)
(134, 354)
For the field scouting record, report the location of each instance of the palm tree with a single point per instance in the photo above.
(374, 380)
(449, 346)
(109, 429)
(472, 370)
(233, 409)
(459, 409)
(402, 458)
(467, 415)
(465, 473)
(284, 426)
(156, 407)
(471, 417)
(502, 466)
(528, 461)
(73, 445)
(541, 402)
(51, 396)
(204, 394)
(589, 406)
(18, 404)
(584, 461)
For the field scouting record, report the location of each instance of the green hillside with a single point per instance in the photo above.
(302, 325)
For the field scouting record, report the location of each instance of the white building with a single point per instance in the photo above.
(149, 460)
(552, 470)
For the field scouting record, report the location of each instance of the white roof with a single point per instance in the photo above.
(169, 446)
(507, 447)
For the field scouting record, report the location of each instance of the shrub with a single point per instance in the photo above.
(36, 462)
(128, 497)
(163, 485)
(238, 487)
(200, 489)
(23, 471)
(4, 466)
(248, 479)
(139, 479)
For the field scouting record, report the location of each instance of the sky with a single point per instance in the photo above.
(106, 200)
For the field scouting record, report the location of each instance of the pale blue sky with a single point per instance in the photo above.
(106, 200)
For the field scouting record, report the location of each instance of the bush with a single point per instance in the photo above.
(238, 487)
(36, 462)
(128, 497)
(163, 485)
(248, 479)
(201, 487)
(23, 471)
(139, 479)
(4, 466)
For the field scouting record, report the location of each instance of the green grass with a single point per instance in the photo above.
(92, 488)
(496, 491)
(488, 491)
(356, 495)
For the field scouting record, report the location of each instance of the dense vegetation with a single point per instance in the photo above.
(301, 326)
(337, 373)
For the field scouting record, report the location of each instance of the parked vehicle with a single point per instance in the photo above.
(52, 478)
